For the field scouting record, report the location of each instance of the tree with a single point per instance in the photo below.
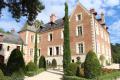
(54, 63)
(35, 50)
(92, 66)
(42, 62)
(67, 52)
(115, 52)
(19, 8)
(37, 25)
(15, 62)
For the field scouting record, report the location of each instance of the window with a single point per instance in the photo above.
(79, 17)
(32, 38)
(57, 50)
(50, 51)
(18, 47)
(8, 48)
(31, 52)
(39, 38)
(50, 37)
(0, 46)
(80, 48)
(79, 31)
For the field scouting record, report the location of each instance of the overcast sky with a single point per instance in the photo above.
(111, 8)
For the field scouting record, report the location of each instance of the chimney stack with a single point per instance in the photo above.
(52, 18)
(93, 12)
(102, 17)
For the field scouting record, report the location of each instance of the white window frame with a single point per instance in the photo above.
(77, 34)
(49, 51)
(49, 36)
(77, 16)
(77, 48)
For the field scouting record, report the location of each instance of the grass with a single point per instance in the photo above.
(108, 76)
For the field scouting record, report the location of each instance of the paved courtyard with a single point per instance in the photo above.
(47, 75)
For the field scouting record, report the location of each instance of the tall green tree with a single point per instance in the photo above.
(19, 8)
(67, 52)
(37, 25)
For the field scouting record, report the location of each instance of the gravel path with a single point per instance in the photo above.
(47, 75)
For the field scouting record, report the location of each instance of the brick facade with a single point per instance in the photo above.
(94, 36)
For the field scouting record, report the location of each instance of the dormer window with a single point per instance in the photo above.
(79, 17)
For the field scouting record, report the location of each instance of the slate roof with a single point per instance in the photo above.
(13, 38)
(51, 26)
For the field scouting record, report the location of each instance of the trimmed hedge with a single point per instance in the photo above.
(42, 62)
(15, 62)
(71, 70)
(92, 67)
(32, 69)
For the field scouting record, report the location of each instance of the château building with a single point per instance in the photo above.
(86, 33)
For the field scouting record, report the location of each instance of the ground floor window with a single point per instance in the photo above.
(80, 48)
(50, 51)
(57, 51)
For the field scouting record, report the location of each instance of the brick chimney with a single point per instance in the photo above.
(52, 18)
(93, 11)
(102, 17)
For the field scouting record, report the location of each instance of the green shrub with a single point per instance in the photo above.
(78, 71)
(110, 76)
(54, 63)
(71, 70)
(1, 75)
(92, 66)
(42, 62)
(15, 62)
(3, 68)
(19, 75)
(31, 67)
(78, 60)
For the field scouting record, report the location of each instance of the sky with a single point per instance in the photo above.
(111, 9)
